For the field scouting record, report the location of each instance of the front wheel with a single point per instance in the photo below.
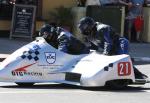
(24, 84)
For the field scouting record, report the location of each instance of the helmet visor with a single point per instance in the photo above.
(84, 29)
(45, 34)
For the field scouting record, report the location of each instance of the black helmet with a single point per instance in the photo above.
(49, 29)
(86, 24)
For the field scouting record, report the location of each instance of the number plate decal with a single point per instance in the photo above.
(124, 68)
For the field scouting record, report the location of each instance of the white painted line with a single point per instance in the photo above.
(43, 91)
(23, 92)
(4, 55)
(146, 59)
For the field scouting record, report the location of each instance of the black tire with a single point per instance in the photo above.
(118, 84)
(24, 84)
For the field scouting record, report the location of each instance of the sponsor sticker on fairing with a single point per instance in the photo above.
(22, 71)
(50, 57)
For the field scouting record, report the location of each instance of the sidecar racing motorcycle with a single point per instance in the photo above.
(39, 62)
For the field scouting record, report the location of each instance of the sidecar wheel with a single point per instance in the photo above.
(118, 84)
(25, 84)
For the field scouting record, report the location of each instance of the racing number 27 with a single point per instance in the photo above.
(124, 68)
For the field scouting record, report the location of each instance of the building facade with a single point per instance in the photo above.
(43, 7)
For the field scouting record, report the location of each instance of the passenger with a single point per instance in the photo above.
(103, 36)
(62, 40)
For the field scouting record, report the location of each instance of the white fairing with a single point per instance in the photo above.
(40, 62)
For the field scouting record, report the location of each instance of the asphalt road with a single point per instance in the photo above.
(60, 93)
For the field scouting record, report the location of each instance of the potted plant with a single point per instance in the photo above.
(63, 17)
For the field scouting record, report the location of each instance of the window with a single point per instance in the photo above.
(6, 7)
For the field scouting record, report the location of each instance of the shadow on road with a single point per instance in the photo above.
(71, 87)
(43, 86)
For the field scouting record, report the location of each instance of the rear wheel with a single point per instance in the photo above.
(118, 84)
(24, 84)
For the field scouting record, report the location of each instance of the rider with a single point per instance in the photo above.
(62, 40)
(103, 36)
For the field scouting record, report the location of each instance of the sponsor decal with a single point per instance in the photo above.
(32, 53)
(36, 47)
(51, 66)
(124, 68)
(50, 57)
(22, 71)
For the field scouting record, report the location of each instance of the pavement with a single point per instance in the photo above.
(8, 46)
(138, 51)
